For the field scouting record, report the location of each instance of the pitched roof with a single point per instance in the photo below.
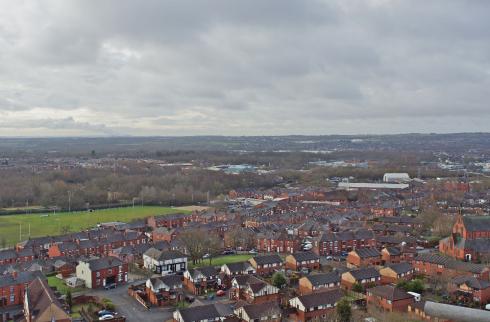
(324, 278)
(389, 292)
(42, 302)
(103, 262)
(400, 268)
(238, 266)
(267, 259)
(205, 312)
(364, 273)
(256, 311)
(451, 263)
(160, 255)
(321, 298)
(20, 278)
(305, 256)
(472, 282)
(367, 252)
(477, 223)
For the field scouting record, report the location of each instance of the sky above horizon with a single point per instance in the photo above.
(255, 67)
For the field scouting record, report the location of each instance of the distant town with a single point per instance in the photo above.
(322, 237)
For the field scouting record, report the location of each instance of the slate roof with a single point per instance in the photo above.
(305, 256)
(389, 292)
(400, 268)
(394, 251)
(163, 255)
(238, 267)
(477, 223)
(169, 280)
(451, 263)
(367, 252)
(256, 311)
(267, 259)
(8, 254)
(472, 282)
(324, 278)
(41, 299)
(321, 298)
(205, 312)
(365, 273)
(103, 263)
(21, 278)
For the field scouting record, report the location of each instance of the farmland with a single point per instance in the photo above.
(51, 224)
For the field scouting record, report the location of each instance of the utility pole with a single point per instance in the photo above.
(29, 230)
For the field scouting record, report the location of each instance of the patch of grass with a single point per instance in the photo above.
(60, 285)
(221, 260)
(50, 224)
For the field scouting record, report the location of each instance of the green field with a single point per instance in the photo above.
(221, 260)
(51, 224)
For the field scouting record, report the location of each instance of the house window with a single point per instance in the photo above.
(12, 298)
(97, 274)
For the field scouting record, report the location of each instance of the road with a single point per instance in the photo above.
(130, 308)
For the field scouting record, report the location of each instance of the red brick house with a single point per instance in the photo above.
(303, 260)
(8, 256)
(368, 276)
(163, 233)
(102, 272)
(268, 311)
(333, 243)
(164, 290)
(278, 243)
(396, 272)
(314, 283)
(266, 264)
(253, 290)
(169, 221)
(198, 280)
(389, 298)
(314, 307)
(433, 265)
(363, 257)
(469, 288)
(41, 304)
(13, 286)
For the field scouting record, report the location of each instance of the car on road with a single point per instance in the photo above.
(253, 251)
(220, 293)
(229, 252)
(110, 286)
(189, 298)
(105, 312)
(206, 256)
(106, 317)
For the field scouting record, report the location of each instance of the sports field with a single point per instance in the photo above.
(50, 224)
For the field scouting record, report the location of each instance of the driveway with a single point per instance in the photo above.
(130, 308)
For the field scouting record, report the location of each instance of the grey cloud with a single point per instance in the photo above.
(246, 67)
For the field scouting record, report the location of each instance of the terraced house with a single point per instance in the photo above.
(334, 243)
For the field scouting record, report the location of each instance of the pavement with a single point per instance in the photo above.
(130, 308)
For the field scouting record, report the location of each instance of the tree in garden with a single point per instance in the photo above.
(278, 280)
(344, 311)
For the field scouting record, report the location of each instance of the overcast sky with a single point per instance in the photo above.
(243, 67)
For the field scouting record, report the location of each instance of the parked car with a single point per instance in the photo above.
(253, 251)
(329, 258)
(110, 286)
(189, 298)
(106, 317)
(206, 256)
(229, 252)
(220, 293)
(105, 312)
